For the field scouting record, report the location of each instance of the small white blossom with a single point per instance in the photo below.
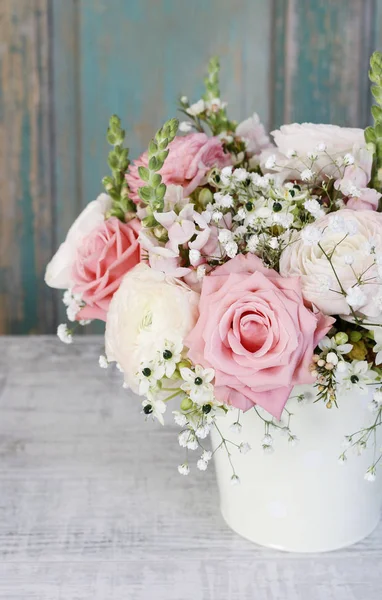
(268, 449)
(185, 126)
(223, 200)
(64, 334)
(202, 431)
(240, 174)
(267, 440)
(235, 480)
(202, 465)
(231, 249)
(273, 243)
(184, 437)
(355, 376)
(184, 469)
(200, 272)
(192, 444)
(194, 256)
(235, 428)
(158, 408)
(284, 219)
(252, 243)
(196, 109)
(179, 418)
(307, 175)
(332, 358)
(321, 147)
(217, 216)
(370, 475)
(355, 297)
(206, 456)
(244, 447)
(270, 163)
(348, 159)
(314, 208)
(184, 100)
(103, 362)
(291, 153)
(312, 156)
(342, 459)
(225, 175)
(198, 384)
(311, 235)
(293, 440)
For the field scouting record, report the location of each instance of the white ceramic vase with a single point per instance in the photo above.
(299, 498)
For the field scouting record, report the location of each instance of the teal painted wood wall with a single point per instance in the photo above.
(66, 65)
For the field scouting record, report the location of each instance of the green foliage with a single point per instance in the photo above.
(118, 161)
(153, 192)
(373, 135)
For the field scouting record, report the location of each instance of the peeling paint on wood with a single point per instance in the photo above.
(322, 50)
(25, 202)
(67, 65)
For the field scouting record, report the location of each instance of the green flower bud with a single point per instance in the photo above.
(205, 197)
(186, 404)
(341, 338)
(355, 336)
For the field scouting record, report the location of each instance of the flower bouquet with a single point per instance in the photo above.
(240, 280)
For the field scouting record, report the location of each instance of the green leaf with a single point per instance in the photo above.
(370, 135)
(153, 164)
(155, 180)
(146, 193)
(160, 191)
(376, 111)
(144, 173)
(152, 147)
(377, 93)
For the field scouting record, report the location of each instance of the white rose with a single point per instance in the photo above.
(147, 307)
(309, 262)
(252, 131)
(307, 138)
(58, 271)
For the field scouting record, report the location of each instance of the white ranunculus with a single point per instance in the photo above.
(318, 139)
(363, 243)
(147, 309)
(58, 271)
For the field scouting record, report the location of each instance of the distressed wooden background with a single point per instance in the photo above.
(66, 65)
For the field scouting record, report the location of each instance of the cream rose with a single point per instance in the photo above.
(58, 273)
(305, 138)
(353, 241)
(147, 308)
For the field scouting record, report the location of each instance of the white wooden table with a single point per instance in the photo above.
(92, 506)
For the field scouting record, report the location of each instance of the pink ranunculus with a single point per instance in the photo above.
(103, 258)
(257, 334)
(188, 161)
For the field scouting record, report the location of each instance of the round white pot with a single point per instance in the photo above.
(300, 498)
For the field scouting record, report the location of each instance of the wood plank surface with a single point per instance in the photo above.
(26, 212)
(92, 506)
(321, 57)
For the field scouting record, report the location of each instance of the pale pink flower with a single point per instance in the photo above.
(252, 131)
(189, 160)
(354, 183)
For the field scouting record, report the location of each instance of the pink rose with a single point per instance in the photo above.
(189, 159)
(103, 258)
(255, 331)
